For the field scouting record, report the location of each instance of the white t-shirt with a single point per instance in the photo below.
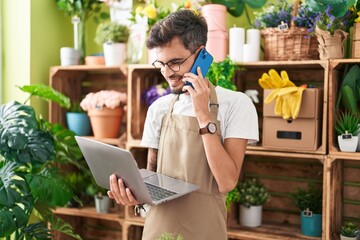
(236, 113)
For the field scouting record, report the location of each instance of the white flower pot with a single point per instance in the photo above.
(250, 217)
(114, 53)
(348, 144)
(347, 238)
(69, 56)
(358, 146)
(102, 203)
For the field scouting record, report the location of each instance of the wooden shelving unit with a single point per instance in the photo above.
(342, 182)
(281, 170)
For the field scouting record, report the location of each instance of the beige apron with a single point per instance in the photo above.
(199, 215)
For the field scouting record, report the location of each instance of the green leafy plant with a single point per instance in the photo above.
(349, 90)
(169, 236)
(310, 198)
(84, 9)
(31, 149)
(248, 193)
(349, 229)
(347, 123)
(111, 32)
(222, 73)
(339, 7)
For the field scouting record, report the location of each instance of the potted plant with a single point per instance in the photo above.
(113, 37)
(251, 195)
(80, 11)
(78, 121)
(31, 182)
(169, 236)
(309, 201)
(222, 73)
(349, 231)
(103, 203)
(282, 27)
(106, 110)
(347, 128)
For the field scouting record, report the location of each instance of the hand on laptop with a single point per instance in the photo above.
(119, 193)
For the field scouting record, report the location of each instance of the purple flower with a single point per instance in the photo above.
(155, 92)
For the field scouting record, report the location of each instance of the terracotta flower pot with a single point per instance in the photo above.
(106, 122)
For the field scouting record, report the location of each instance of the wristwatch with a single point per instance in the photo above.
(209, 128)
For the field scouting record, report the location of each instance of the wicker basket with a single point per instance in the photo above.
(294, 43)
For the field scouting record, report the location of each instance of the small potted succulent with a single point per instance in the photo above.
(347, 128)
(349, 231)
(113, 37)
(309, 201)
(251, 195)
(106, 110)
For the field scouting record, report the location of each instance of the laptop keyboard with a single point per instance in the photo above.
(158, 193)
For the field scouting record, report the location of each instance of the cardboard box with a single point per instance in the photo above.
(303, 133)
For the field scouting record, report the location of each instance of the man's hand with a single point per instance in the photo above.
(119, 193)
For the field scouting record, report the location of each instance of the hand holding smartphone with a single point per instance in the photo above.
(203, 60)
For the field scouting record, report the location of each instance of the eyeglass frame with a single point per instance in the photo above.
(167, 63)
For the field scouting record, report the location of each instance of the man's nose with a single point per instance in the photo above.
(166, 71)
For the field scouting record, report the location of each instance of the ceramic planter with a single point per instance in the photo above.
(347, 238)
(348, 144)
(102, 203)
(311, 224)
(250, 216)
(106, 122)
(78, 123)
(218, 39)
(114, 53)
(69, 56)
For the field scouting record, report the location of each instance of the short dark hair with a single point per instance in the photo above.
(189, 26)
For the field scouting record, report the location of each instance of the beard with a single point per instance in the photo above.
(178, 89)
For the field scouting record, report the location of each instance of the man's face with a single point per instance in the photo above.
(176, 61)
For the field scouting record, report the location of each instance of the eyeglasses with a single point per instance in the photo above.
(173, 65)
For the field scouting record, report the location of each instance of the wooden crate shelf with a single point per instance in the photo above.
(343, 198)
(281, 170)
(268, 231)
(310, 72)
(140, 78)
(77, 81)
(336, 70)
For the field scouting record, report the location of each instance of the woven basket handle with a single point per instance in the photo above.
(293, 14)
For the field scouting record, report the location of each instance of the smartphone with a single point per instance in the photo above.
(203, 60)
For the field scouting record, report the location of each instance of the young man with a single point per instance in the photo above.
(198, 135)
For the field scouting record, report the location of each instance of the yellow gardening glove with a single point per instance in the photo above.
(288, 96)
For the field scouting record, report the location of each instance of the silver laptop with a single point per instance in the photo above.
(147, 186)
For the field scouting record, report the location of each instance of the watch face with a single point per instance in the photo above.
(212, 127)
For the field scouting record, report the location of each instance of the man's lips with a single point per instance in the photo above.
(174, 81)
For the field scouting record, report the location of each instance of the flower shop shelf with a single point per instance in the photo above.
(282, 176)
(77, 81)
(336, 72)
(343, 198)
(314, 73)
(92, 225)
(268, 231)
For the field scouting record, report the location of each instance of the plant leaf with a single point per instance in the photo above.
(50, 187)
(15, 121)
(338, 7)
(16, 202)
(57, 224)
(47, 93)
(348, 98)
